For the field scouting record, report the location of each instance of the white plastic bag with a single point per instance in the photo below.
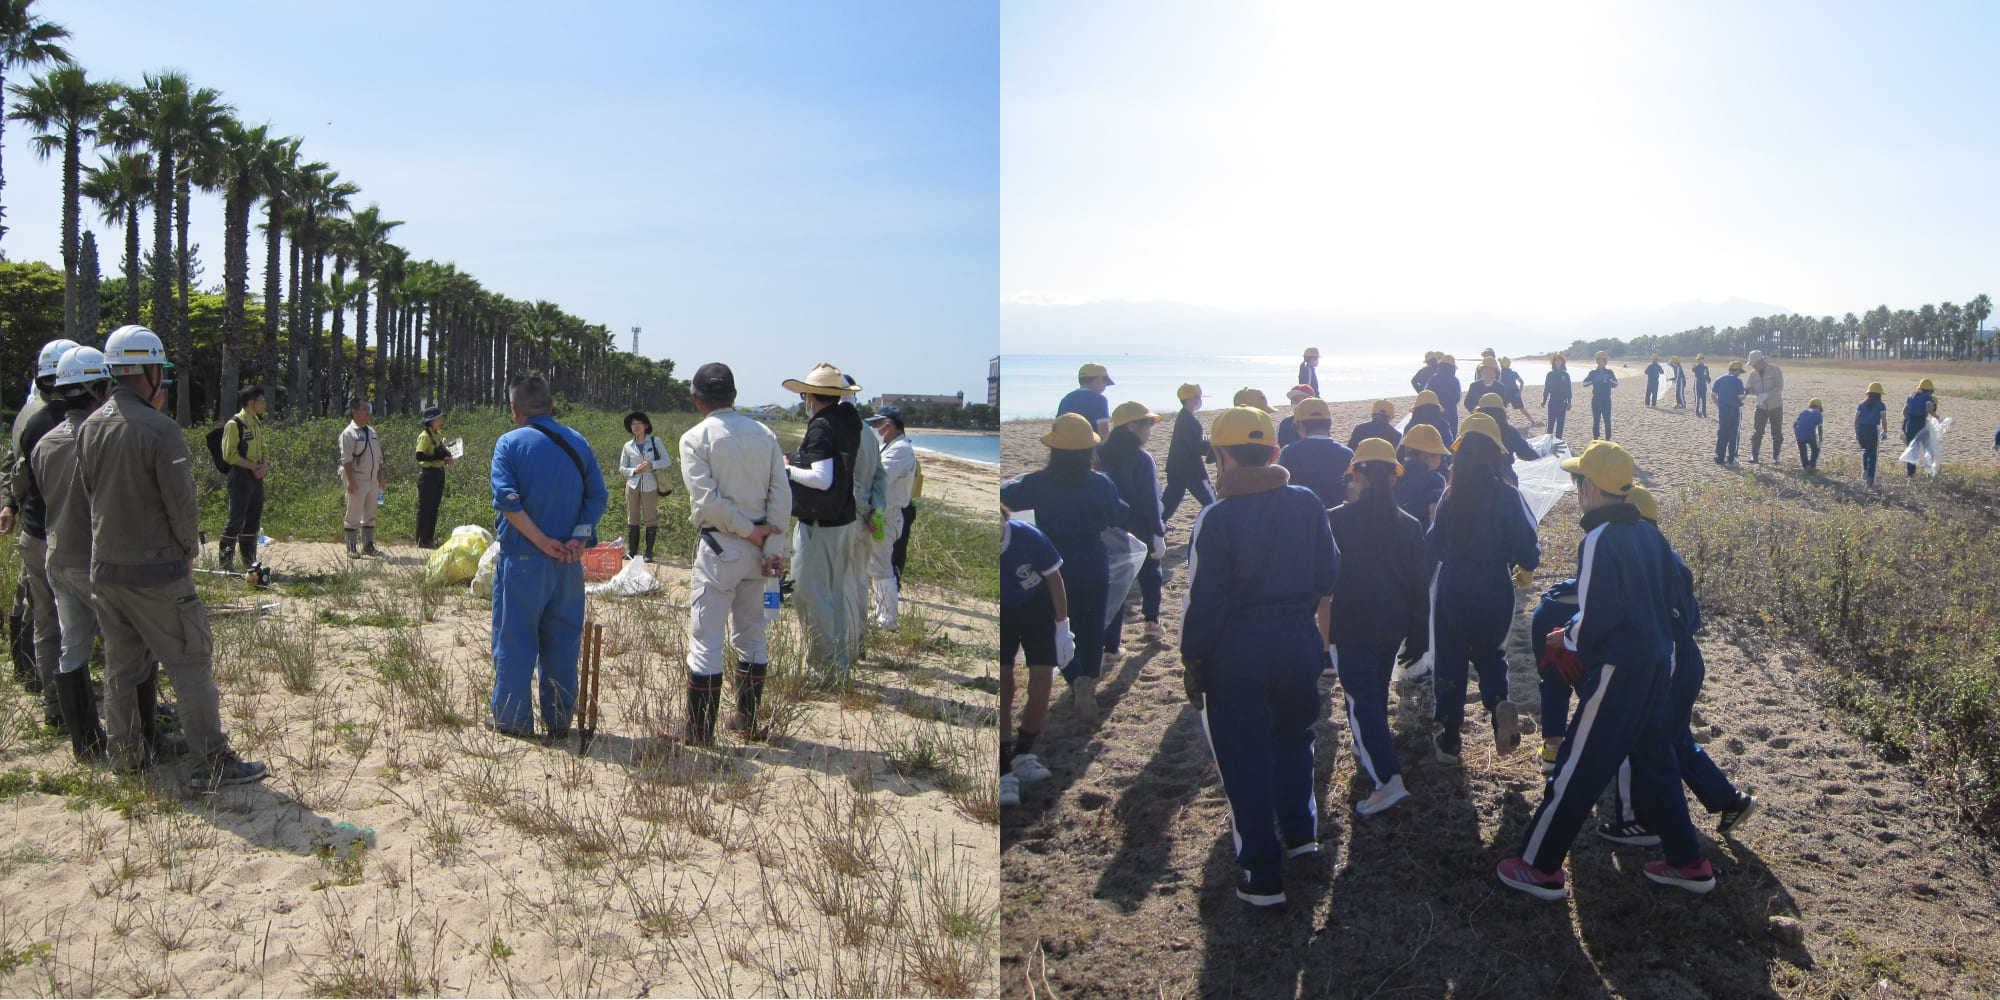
(482, 580)
(1125, 553)
(633, 578)
(1543, 481)
(1925, 451)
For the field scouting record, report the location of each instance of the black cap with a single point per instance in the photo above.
(714, 378)
(432, 413)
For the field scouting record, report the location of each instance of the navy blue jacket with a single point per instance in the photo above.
(1067, 515)
(1478, 390)
(1653, 373)
(1378, 426)
(1601, 381)
(1445, 384)
(1556, 389)
(1625, 592)
(1700, 376)
(1416, 490)
(1422, 379)
(1438, 420)
(1188, 452)
(1131, 470)
(1090, 403)
(1288, 431)
(1506, 535)
(1510, 436)
(1381, 596)
(1320, 465)
(1256, 559)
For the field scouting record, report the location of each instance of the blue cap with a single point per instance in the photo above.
(889, 413)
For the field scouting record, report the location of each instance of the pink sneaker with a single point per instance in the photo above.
(1698, 877)
(1517, 873)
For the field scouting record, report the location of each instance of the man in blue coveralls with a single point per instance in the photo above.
(550, 495)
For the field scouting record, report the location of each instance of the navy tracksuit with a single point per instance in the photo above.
(1379, 604)
(1806, 430)
(1417, 489)
(1511, 439)
(1556, 608)
(1869, 418)
(1680, 388)
(1378, 426)
(1259, 562)
(1445, 385)
(1472, 597)
(1131, 470)
(1601, 381)
(1653, 373)
(1320, 465)
(1422, 379)
(1555, 396)
(1510, 388)
(1288, 431)
(1700, 389)
(1074, 519)
(1699, 772)
(1479, 390)
(1624, 635)
(1187, 469)
(1916, 416)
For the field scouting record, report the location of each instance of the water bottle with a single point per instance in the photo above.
(772, 599)
(381, 497)
(880, 524)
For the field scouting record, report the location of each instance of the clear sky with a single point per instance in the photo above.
(1534, 161)
(769, 185)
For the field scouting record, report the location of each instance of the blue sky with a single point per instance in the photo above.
(769, 185)
(1534, 162)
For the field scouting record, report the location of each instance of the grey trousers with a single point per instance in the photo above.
(170, 624)
(48, 629)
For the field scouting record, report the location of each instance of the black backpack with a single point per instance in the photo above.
(215, 444)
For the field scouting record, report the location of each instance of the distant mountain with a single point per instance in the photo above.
(1180, 328)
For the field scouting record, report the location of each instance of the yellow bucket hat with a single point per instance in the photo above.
(1312, 352)
(1426, 397)
(1071, 432)
(1131, 412)
(1506, 362)
(1876, 388)
(1376, 450)
(1242, 425)
(1480, 424)
(1491, 399)
(1601, 356)
(1384, 407)
(1425, 438)
(1701, 357)
(1607, 464)
(1736, 366)
(1927, 384)
(1188, 390)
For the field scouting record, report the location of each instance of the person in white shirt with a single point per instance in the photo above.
(644, 462)
(899, 466)
(739, 501)
(361, 474)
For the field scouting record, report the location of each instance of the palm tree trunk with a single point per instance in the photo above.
(235, 279)
(183, 386)
(132, 263)
(362, 386)
(72, 208)
(295, 333)
(163, 242)
(272, 243)
(87, 278)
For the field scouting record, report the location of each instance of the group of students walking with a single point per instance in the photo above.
(1397, 548)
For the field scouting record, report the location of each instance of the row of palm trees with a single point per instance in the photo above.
(1945, 331)
(439, 336)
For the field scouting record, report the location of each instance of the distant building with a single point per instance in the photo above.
(993, 382)
(906, 399)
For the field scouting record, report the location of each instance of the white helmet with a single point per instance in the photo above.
(52, 352)
(132, 347)
(81, 366)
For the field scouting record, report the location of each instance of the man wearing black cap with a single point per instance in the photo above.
(899, 466)
(432, 456)
(739, 500)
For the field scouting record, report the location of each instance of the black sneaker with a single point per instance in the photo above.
(226, 769)
(1301, 848)
(1629, 833)
(1736, 814)
(1260, 893)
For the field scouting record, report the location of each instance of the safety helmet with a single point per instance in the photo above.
(81, 366)
(132, 347)
(52, 352)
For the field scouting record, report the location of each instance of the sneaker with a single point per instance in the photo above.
(1155, 633)
(1029, 769)
(1083, 691)
(1697, 877)
(226, 769)
(493, 725)
(1506, 728)
(1260, 893)
(167, 746)
(1112, 657)
(1736, 814)
(1388, 795)
(1517, 873)
(1629, 833)
(1301, 848)
(1447, 745)
(1010, 790)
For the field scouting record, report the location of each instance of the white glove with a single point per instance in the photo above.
(1159, 547)
(1065, 644)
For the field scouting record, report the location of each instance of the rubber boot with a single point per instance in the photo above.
(368, 540)
(248, 543)
(631, 540)
(352, 552)
(704, 699)
(749, 691)
(651, 533)
(86, 733)
(227, 554)
(158, 745)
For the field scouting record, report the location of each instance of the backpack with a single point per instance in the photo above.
(215, 444)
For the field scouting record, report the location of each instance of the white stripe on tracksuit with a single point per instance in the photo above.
(1361, 748)
(1234, 833)
(1575, 745)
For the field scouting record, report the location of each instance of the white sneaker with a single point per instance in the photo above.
(1083, 691)
(1112, 657)
(1029, 769)
(1155, 632)
(1010, 790)
(1384, 797)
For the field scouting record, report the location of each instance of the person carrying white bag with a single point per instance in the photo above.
(1034, 623)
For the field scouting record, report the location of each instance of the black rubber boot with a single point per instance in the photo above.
(749, 692)
(352, 552)
(86, 733)
(631, 540)
(159, 746)
(227, 554)
(248, 543)
(704, 699)
(651, 533)
(368, 540)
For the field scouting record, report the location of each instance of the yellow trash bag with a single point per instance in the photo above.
(458, 558)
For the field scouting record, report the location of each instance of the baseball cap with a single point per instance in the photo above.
(889, 414)
(1242, 425)
(1311, 408)
(1641, 498)
(1385, 407)
(1188, 390)
(1607, 464)
(1095, 370)
(1251, 397)
(714, 379)
(1298, 392)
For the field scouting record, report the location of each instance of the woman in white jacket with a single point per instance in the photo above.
(644, 462)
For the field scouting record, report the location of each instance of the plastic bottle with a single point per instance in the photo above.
(772, 599)
(880, 524)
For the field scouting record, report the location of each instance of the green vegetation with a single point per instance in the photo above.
(1901, 603)
(1944, 331)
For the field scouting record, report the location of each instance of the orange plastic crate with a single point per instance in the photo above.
(602, 562)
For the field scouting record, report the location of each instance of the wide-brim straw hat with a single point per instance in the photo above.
(823, 380)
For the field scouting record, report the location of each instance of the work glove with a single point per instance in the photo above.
(1559, 661)
(1523, 578)
(1065, 644)
(1159, 547)
(1193, 681)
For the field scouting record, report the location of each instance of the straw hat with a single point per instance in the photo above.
(1376, 450)
(823, 380)
(1071, 432)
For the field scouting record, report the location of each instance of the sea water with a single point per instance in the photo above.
(981, 448)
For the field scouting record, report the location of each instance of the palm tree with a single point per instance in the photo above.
(252, 165)
(367, 233)
(285, 163)
(324, 197)
(63, 107)
(1976, 312)
(26, 39)
(202, 166)
(121, 189)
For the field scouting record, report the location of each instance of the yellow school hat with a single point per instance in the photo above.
(1736, 366)
(1701, 357)
(1384, 407)
(1480, 424)
(1656, 357)
(1601, 356)
(1377, 450)
(1641, 498)
(1242, 425)
(1425, 438)
(1491, 399)
(1251, 397)
(1876, 388)
(1426, 397)
(1814, 404)
(1130, 412)
(1188, 390)
(1927, 384)
(1676, 359)
(1071, 432)
(1446, 359)
(1506, 363)
(1095, 370)
(1553, 358)
(1311, 408)
(1430, 356)
(1607, 464)
(1312, 352)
